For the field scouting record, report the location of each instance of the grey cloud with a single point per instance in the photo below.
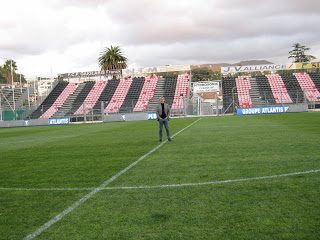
(165, 32)
(251, 18)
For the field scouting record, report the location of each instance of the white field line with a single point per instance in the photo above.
(164, 186)
(48, 189)
(93, 192)
(216, 182)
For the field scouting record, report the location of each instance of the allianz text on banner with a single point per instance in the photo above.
(253, 68)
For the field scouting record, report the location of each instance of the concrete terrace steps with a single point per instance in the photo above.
(158, 93)
(67, 106)
(7, 98)
(255, 95)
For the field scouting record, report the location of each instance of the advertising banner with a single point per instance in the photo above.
(149, 70)
(305, 65)
(270, 67)
(262, 110)
(209, 86)
(253, 68)
(152, 116)
(59, 121)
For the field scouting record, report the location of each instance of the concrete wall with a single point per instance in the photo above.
(128, 117)
(22, 123)
(136, 116)
(298, 108)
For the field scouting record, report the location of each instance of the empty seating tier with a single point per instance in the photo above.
(278, 89)
(47, 103)
(82, 96)
(119, 96)
(133, 95)
(69, 89)
(146, 93)
(92, 97)
(316, 79)
(169, 88)
(181, 91)
(107, 94)
(265, 89)
(307, 85)
(243, 86)
(229, 89)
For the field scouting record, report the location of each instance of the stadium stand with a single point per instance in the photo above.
(307, 85)
(181, 91)
(68, 90)
(133, 95)
(107, 93)
(278, 88)
(82, 96)
(265, 89)
(143, 93)
(51, 98)
(119, 96)
(6, 96)
(92, 97)
(159, 92)
(65, 109)
(244, 86)
(228, 89)
(293, 87)
(146, 93)
(316, 79)
(169, 88)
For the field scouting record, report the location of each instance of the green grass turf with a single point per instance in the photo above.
(213, 149)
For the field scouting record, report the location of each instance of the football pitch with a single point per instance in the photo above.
(227, 177)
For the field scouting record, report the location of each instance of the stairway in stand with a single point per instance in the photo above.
(65, 109)
(255, 95)
(158, 93)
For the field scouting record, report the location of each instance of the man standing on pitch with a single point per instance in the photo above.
(163, 112)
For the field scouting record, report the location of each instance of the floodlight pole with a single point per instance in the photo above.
(21, 92)
(184, 106)
(0, 110)
(84, 112)
(34, 90)
(233, 100)
(102, 113)
(217, 105)
(28, 94)
(14, 104)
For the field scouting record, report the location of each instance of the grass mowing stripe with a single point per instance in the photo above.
(165, 186)
(89, 195)
(30, 140)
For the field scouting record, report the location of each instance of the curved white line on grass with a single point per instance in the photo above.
(163, 186)
(216, 182)
(93, 192)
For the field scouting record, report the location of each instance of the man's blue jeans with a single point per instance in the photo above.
(166, 125)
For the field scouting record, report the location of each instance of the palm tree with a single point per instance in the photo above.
(6, 70)
(112, 59)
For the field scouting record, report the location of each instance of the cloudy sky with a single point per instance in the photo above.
(59, 36)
